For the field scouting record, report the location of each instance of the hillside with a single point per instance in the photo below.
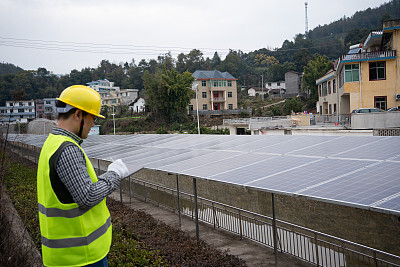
(331, 40)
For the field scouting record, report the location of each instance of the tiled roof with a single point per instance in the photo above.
(212, 74)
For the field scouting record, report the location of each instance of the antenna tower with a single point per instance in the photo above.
(306, 32)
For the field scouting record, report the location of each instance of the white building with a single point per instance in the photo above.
(20, 111)
(112, 95)
(138, 105)
(275, 85)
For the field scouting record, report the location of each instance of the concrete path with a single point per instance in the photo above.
(253, 253)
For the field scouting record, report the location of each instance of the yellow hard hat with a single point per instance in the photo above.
(82, 97)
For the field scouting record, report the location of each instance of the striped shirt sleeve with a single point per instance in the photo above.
(72, 170)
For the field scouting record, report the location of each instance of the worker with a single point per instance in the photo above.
(75, 223)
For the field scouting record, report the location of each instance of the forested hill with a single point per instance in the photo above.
(370, 19)
(6, 68)
(331, 40)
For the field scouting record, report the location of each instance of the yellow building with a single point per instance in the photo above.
(368, 76)
(216, 91)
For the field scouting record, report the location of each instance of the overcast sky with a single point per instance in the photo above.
(62, 35)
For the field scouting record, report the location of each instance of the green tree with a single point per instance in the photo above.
(292, 105)
(315, 69)
(168, 92)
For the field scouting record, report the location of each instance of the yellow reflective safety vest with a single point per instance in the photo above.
(71, 236)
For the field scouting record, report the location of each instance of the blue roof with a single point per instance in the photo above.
(212, 74)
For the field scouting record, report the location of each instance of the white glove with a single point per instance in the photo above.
(119, 167)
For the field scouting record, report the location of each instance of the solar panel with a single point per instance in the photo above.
(357, 171)
(366, 186)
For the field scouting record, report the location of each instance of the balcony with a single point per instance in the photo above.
(390, 54)
(217, 99)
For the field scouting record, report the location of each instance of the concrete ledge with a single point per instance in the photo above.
(16, 236)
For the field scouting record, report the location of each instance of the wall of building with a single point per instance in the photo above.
(208, 90)
(375, 120)
(292, 83)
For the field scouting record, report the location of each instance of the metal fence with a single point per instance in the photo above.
(306, 244)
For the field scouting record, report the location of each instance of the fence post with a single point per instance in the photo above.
(98, 167)
(214, 213)
(179, 199)
(274, 230)
(316, 248)
(196, 212)
(145, 194)
(120, 191)
(240, 226)
(130, 190)
(158, 196)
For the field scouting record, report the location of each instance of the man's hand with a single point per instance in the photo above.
(119, 167)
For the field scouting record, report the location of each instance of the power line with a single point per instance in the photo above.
(119, 49)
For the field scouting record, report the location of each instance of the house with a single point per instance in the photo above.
(39, 106)
(216, 90)
(138, 105)
(112, 95)
(50, 110)
(253, 91)
(18, 111)
(367, 77)
(276, 89)
(293, 83)
(275, 85)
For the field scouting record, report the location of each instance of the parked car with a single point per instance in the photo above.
(394, 109)
(367, 110)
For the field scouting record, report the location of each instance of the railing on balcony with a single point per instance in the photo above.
(217, 99)
(369, 55)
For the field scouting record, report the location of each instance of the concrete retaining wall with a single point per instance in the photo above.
(370, 228)
(375, 120)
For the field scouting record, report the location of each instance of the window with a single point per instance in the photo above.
(2, 111)
(380, 102)
(204, 83)
(278, 84)
(21, 110)
(229, 94)
(29, 103)
(377, 70)
(334, 108)
(269, 84)
(330, 109)
(334, 86)
(11, 104)
(21, 104)
(329, 87)
(230, 106)
(204, 106)
(324, 89)
(351, 73)
(48, 102)
(190, 107)
(229, 83)
(204, 94)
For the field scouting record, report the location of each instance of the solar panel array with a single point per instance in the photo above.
(358, 171)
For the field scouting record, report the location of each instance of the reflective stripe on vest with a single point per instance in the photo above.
(54, 212)
(77, 241)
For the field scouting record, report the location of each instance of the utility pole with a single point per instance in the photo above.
(262, 87)
(306, 32)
